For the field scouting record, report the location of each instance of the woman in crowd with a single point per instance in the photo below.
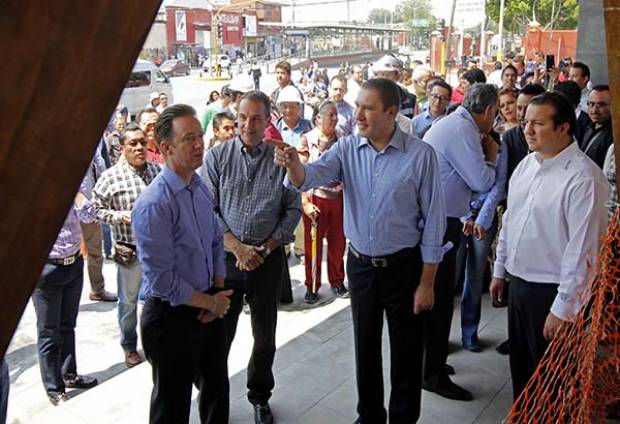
(213, 97)
(323, 207)
(507, 118)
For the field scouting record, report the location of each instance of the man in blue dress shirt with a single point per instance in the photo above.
(395, 221)
(467, 156)
(181, 247)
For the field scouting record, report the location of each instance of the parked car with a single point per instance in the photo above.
(145, 79)
(174, 67)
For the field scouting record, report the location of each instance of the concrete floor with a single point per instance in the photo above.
(314, 367)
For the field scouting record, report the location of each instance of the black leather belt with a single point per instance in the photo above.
(382, 261)
(69, 260)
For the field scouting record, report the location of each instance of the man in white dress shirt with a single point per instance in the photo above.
(550, 237)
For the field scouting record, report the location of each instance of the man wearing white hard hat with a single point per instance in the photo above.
(390, 67)
(291, 125)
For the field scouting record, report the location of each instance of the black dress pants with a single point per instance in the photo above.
(261, 289)
(389, 290)
(528, 307)
(438, 320)
(56, 302)
(182, 351)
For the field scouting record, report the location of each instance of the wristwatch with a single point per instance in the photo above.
(266, 251)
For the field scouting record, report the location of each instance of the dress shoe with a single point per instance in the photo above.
(341, 292)
(443, 386)
(449, 369)
(80, 382)
(503, 348)
(262, 414)
(55, 398)
(311, 298)
(104, 296)
(133, 358)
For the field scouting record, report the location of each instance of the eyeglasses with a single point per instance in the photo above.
(442, 99)
(598, 104)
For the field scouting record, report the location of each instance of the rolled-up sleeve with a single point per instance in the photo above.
(153, 230)
(432, 211)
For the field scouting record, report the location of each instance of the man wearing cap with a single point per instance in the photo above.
(291, 125)
(390, 67)
(153, 100)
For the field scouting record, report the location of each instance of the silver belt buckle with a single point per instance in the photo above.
(379, 262)
(69, 260)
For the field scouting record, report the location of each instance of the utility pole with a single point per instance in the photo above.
(449, 32)
(500, 48)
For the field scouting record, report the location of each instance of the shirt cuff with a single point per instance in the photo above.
(288, 184)
(219, 269)
(434, 254)
(499, 271)
(566, 310)
(183, 295)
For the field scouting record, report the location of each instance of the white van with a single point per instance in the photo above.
(145, 78)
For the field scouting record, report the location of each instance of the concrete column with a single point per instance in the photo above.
(591, 47)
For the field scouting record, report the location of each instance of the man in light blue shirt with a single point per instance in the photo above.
(466, 156)
(395, 220)
(346, 120)
(181, 248)
(439, 97)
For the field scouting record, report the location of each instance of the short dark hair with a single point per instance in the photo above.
(285, 66)
(387, 89)
(129, 128)
(479, 97)
(532, 90)
(571, 90)
(259, 96)
(441, 83)
(601, 87)
(475, 75)
(163, 126)
(509, 67)
(585, 69)
(145, 110)
(338, 77)
(220, 117)
(564, 112)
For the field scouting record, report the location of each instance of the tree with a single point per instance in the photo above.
(383, 16)
(559, 14)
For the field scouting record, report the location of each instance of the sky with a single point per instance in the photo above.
(359, 10)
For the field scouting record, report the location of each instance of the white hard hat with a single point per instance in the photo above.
(241, 83)
(387, 63)
(289, 94)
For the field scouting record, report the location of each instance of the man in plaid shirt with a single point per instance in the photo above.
(114, 195)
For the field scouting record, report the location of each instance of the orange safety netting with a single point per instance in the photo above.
(578, 379)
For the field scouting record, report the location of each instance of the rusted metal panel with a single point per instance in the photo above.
(65, 63)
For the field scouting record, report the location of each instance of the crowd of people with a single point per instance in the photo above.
(438, 189)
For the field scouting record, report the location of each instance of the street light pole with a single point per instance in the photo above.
(500, 48)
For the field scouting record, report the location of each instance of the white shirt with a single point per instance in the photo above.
(551, 230)
(353, 89)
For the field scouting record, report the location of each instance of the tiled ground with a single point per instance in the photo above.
(315, 380)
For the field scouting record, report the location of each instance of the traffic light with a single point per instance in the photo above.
(220, 30)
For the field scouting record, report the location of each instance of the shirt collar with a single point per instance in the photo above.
(176, 183)
(562, 158)
(397, 141)
(239, 145)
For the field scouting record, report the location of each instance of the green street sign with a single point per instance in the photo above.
(420, 23)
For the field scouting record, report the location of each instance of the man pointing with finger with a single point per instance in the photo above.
(395, 221)
(258, 215)
(180, 246)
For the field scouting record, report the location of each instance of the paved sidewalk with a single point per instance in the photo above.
(314, 366)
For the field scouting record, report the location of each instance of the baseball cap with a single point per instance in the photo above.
(387, 63)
